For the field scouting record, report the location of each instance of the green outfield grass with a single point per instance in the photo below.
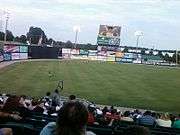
(127, 85)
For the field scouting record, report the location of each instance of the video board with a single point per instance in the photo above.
(109, 35)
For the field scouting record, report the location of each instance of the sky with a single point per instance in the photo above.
(159, 20)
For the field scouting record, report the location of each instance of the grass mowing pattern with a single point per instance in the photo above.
(126, 85)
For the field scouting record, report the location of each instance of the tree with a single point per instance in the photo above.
(151, 52)
(2, 35)
(125, 49)
(35, 34)
(21, 39)
(9, 36)
(167, 58)
(49, 41)
(69, 44)
(173, 59)
(143, 50)
(160, 54)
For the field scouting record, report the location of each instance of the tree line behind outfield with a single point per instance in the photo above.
(35, 33)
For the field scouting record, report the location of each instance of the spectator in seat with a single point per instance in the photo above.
(105, 110)
(147, 119)
(38, 107)
(72, 120)
(176, 123)
(136, 114)
(72, 98)
(55, 98)
(6, 131)
(113, 115)
(9, 115)
(91, 118)
(136, 130)
(126, 117)
(47, 98)
(164, 120)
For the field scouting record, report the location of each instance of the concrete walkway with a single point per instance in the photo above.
(6, 63)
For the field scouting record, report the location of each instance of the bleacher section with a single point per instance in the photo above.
(33, 124)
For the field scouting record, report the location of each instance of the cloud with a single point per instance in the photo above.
(157, 18)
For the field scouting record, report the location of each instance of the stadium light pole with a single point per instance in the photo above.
(76, 29)
(177, 57)
(138, 34)
(6, 25)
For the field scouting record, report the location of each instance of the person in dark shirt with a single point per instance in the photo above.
(72, 120)
(136, 130)
(55, 98)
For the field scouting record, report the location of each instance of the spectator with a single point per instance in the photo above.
(72, 119)
(9, 115)
(6, 131)
(12, 104)
(105, 110)
(136, 114)
(136, 130)
(126, 117)
(72, 98)
(147, 119)
(91, 118)
(176, 123)
(38, 107)
(164, 120)
(47, 98)
(55, 98)
(113, 115)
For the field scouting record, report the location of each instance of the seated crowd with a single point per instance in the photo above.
(72, 115)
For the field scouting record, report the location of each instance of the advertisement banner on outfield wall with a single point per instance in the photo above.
(109, 35)
(128, 55)
(102, 53)
(66, 56)
(102, 58)
(92, 57)
(79, 57)
(92, 53)
(11, 48)
(66, 51)
(23, 49)
(111, 59)
(75, 51)
(7, 56)
(111, 53)
(126, 60)
(119, 54)
(23, 56)
(83, 52)
(15, 56)
(118, 59)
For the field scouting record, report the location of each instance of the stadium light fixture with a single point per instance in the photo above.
(138, 34)
(76, 29)
(6, 25)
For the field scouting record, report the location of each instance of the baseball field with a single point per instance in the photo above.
(128, 85)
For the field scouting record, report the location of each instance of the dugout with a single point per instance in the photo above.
(44, 52)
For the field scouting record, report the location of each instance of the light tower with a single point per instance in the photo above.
(138, 34)
(6, 25)
(2, 13)
(177, 57)
(76, 29)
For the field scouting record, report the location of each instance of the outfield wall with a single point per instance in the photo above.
(15, 52)
(101, 55)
